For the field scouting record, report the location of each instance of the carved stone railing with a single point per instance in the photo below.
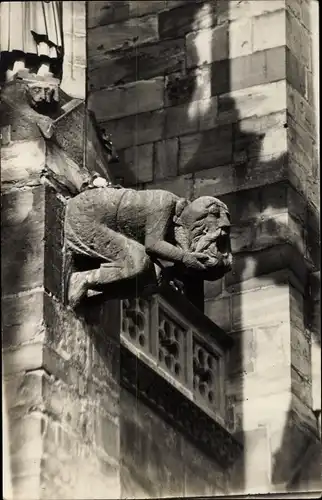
(174, 356)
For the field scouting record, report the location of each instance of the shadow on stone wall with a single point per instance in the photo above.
(248, 162)
(268, 244)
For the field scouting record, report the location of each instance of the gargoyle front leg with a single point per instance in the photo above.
(130, 262)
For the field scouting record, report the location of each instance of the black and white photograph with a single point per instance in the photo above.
(160, 249)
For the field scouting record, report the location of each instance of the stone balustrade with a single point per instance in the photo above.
(180, 344)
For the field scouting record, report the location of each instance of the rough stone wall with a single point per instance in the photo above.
(158, 461)
(60, 371)
(216, 98)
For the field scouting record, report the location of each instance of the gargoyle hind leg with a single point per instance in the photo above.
(133, 264)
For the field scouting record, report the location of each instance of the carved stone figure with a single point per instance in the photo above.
(120, 233)
(31, 29)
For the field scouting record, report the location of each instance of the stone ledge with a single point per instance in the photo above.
(177, 410)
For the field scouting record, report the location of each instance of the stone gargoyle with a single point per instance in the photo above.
(121, 233)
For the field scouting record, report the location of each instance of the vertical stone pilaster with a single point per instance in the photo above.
(74, 64)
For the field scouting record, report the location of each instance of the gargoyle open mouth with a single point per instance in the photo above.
(216, 244)
(223, 242)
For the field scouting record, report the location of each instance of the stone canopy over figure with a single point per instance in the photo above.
(30, 29)
(125, 232)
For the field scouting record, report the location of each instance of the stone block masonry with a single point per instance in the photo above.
(219, 106)
(60, 370)
(61, 378)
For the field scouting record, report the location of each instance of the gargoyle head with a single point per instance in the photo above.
(203, 226)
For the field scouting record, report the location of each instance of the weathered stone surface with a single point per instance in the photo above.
(87, 345)
(16, 127)
(245, 8)
(202, 476)
(219, 180)
(208, 113)
(181, 185)
(178, 121)
(22, 319)
(267, 232)
(136, 129)
(136, 164)
(301, 11)
(98, 154)
(273, 346)
(301, 356)
(106, 12)
(171, 4)
(257, 448)
(301, 145)
(259, 173)
(263, 27)
(74, 61)
(26, 357)
(247, 71)
(166, 158)
(260, 100)
(263, 139)
(142, 8)
(243, 355)
(131, 99)
(252, 264)
(22, 240)
(296, 73)
(27, 442)
(140, 63)
(297, 308)
(74, 17)
(162, 456)
(245, 205)
(75, 46)
(207, 46)
(219, 311)
(251, 391)
(240, 34)
(288, 446)
(213, 290)
(260, 307)
(62, 168)
(185, 18)
(124, 35)
(298, 40)
(22, 162)
(69, 134)
(179, 88)
(54, 242)
(74, 81)
(199, 151)
(229, 40)
(175, 465)
(276, 63)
